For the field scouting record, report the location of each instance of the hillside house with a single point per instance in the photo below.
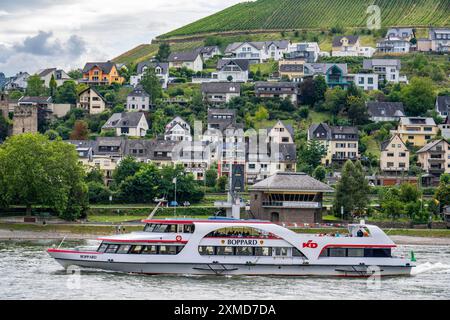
(280, 90)
(178, 130)
(416, 130)
(434, 157)
(138, 100)
(101, 73)
(91, 101)
(385, 111)
(258, 52)
(131, 124)
(220, 92)
(394, 157)
(161, 70)
(191, 60)
(59, 75)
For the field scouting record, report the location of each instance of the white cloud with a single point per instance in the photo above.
(84, 30)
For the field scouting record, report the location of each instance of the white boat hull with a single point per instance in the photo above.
(240, 269)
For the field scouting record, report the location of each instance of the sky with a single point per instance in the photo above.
(38, 34)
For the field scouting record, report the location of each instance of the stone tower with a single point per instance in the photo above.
(25, 119)
(4, 106)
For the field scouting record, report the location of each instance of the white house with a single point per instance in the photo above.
(220, 92)
(309, 51)
(394, 45)
(402, 33)
(209, 52)
(366, 81)
(161, 70)
(232, 70)
(178, 130)
(191, 60)
(59, 75)
(258, 51)
(138, 100)
(131, 124)
(17, 82)
(387, 69)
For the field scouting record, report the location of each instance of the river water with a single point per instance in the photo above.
(27, 272)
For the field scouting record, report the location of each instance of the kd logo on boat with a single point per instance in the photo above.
(310, 244)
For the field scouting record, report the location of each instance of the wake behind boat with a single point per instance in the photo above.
(218, 246)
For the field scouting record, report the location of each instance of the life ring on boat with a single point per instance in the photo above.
(179, 238)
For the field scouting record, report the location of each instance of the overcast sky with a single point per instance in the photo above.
(37, 34)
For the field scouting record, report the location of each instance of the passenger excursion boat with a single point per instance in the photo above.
(241, 247)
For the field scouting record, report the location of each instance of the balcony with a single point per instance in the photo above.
(292, 204)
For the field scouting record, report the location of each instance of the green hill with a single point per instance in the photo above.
(317, 14)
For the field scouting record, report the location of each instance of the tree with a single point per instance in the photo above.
(310, 156)
(335, 100)
(308, 92)
(95, 175)
(141, 187)
(418, 96)
(98, 192)
(159, 122)
(442, 194)
(213, 41)
(36, 171)
(4, 127)
(53, 86)
(163, 52)
(409, 193)
(320, 173)
(262, 114)
(52, 134)
(211, 177)
(67, 93)
(80, 131)
(75, 74)
(35, 86)
(352, 190)
(151, 85)
(128, 167)
(357, 110)
(320, 88)
(222, 183)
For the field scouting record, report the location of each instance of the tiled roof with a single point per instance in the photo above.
(163, 65)
(106, 67)
(368, 64)
(124, 119)
(242, 63)
(351, 40)
(221, 87)
(35, 100)
(183, 56)
(386, 109)
(291, 182)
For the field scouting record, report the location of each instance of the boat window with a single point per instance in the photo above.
(263, 251)
(102, 247)
(355, 252)
(188, 228)
(241, 232)
(377, 253)
(112, 248)
(206, 250)
(281, 252)
(171, 228)
(297, 253)
(123, 249)
(244, 251)
(150, 250)
(160, 228)
(225, 251)
(337, 252)
(136, 249)
(179, 249)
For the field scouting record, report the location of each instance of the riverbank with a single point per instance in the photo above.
(23, 231)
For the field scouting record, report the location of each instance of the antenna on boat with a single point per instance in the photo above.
(160, 202)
